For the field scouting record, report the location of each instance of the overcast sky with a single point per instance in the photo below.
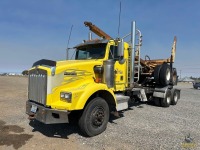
(31, 30)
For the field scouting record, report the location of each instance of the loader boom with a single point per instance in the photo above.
(97, 30)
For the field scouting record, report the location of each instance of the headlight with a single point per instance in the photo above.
(67, 96)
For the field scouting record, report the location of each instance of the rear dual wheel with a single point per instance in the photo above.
(162, 75)
(174, 76)
(166, 101)
(157, 74)
(171, 98)
(174, 96)
(165, 74)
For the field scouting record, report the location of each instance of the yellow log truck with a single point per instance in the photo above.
(105, 76)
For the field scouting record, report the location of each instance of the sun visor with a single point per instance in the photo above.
(45, 62)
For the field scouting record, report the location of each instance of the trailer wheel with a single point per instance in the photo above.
(94, 118)
(174, 97)
(165, 74)
(166, 101)
(174, 76)
(157, 74)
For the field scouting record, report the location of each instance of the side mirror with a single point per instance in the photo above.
(120, 48)
(120, 51)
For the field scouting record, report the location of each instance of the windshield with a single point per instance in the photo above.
(92, 51)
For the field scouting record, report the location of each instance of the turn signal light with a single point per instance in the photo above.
(98, 80)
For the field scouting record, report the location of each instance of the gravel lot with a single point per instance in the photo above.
(145, 127)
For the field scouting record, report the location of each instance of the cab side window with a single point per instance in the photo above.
(113, 52)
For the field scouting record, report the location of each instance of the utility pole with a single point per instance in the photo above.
(180, 74)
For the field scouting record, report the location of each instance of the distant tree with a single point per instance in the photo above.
(25, 72)
(4, 74)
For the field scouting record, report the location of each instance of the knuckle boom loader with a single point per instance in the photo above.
(106, 76)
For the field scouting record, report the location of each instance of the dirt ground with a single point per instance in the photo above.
(145, 127)
(16, 132)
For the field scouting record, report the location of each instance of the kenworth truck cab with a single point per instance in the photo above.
(104, 76)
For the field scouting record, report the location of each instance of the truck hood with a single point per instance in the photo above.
(74, 72)
(72, 62)
(68, 65)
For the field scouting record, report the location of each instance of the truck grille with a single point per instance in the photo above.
(37, 88)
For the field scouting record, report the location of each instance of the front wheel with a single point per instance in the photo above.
(94, 118)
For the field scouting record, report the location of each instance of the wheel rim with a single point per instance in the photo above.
(168, 99)
(98, 116)
(175, 97)
(168, 75)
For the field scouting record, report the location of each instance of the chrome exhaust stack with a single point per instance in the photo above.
(132, 65)
(109, 73)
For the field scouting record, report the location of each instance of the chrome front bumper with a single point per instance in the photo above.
(46, 115)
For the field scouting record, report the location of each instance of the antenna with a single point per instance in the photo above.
(67, 53)
(119, 17)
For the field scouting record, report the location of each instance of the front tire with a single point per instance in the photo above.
(94, 118)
